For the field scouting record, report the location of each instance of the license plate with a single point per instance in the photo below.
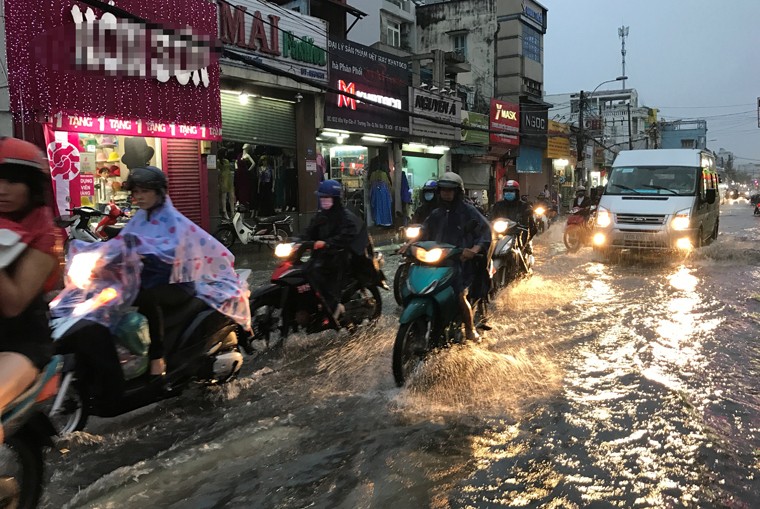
(638, 237)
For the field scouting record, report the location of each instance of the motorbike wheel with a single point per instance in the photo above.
(265, 322)
(24, 482)
(572, 238)
(411, 346)
(72, 416)
(281, 235)
(402, 273)
(226, 236)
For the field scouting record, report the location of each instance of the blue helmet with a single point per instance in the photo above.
(329, 188)
(430, 185)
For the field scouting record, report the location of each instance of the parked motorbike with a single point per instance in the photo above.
(27, 433)
(411, 232)
(431, 317)
(269, 230)
(579, 228)
(290, 301)
(200, 343)
(78, 224)
(510, 259)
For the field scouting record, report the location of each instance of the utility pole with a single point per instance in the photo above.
(580, 144)
(630, 136)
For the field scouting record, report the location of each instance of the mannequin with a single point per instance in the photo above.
(266, 190)
(226, 184)
(246, 177)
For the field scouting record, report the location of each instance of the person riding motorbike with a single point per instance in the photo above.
(25, 342)
(429, 202)
(517, 210)
(458, 223)
(581, 200)
(339, 236)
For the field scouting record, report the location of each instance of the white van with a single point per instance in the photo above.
(662, 199)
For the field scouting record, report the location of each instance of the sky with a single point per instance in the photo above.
(688, 58)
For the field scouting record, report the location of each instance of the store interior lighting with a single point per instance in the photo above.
(243, 98)
(441, 148)
(374, 139)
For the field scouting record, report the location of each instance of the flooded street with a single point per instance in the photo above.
(632, 384)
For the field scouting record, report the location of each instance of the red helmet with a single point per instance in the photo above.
(15, 152)
(512, 185)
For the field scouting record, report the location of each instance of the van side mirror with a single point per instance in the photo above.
(710, 196)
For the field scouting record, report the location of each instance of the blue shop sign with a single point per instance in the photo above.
(530, 160)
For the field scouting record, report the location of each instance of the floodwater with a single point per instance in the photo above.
(632, 384)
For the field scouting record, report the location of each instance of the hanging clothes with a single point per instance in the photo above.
(266, 191)
(242, 180)
(380, 199)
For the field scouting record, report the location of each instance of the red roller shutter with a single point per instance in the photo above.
(187, 182)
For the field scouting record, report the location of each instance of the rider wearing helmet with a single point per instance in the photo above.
(429, 202)
(26, 273)
(458, 223)
(338, 235)
(581, 200)
(149, 187)
(519, 211)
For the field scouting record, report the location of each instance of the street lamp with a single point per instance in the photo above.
(581, 139)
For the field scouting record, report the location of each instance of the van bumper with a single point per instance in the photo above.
(644, 240)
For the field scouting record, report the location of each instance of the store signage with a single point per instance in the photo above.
(379, 82)
(534, 126)
(530, 160)
(444, 108)
(471, 136)
(83, 61)
(120, 47)
(345, 101)
(122, 127)
(504, 119)
(558, 142)
(281, 37)
(534, 12)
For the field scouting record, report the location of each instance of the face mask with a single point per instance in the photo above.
(510, 196)
(429, 196)
(325, 203)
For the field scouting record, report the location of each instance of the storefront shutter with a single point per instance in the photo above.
(182, 163)
(262, 121)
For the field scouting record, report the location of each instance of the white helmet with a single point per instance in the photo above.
(450, 180)
(580, 188)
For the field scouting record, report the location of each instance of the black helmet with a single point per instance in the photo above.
(147, 177)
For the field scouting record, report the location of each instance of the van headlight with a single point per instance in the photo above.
(681, 220)
(603, 217)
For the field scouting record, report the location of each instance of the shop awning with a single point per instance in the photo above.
(470, 150)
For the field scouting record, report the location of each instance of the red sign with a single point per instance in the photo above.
(108, 125)
(345, 101)
(505, 118)
(87, 184)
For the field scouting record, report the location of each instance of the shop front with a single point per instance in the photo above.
(362, 140)
(531, 164)
(471, 159)
(267, 160)
(562, 162)
(505, 142)
(427, 154)
(99, 112)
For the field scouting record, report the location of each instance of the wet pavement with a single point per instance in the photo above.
(633, 384)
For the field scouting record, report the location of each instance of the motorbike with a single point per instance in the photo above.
(27, 433)
(431, 317)
(579, 228)
(545, 212)
(411, 232)
(290, 302)
(200, 343)
(510, 259)
(78, 224)
(27, 429)
(756, 211)
(269, 230)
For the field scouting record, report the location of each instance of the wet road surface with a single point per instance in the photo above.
(632, 384)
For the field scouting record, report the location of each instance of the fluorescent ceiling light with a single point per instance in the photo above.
(331, 134)
(376, 139)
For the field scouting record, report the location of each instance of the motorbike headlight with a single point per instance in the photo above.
(412, 232)
(540, 211)
(502, 225)
(681, 220)
(425, 256)
(603, 217)
(80, 270)
(284, 250)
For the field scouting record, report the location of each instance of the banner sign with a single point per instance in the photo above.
(108, 125)
(505, 118)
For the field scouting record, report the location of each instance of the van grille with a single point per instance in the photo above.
(640, 219)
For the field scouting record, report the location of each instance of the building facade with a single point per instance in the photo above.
(684, 134)
(390, 26)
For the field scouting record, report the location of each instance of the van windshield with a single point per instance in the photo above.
(667, 180)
